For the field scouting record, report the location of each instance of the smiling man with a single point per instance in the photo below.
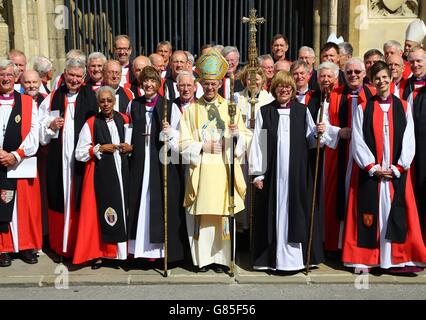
(203, 128)
(122, 52)
(95, 66)
(338, 160)
(20, 204)
(62, 115)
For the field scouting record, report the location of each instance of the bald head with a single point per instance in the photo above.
(157, 62)
(31, 82)
(281, 65)
(19, 59)
(139, 63)
(396, 66)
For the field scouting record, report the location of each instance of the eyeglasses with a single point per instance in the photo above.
(281, 87)
(6, 75)
(349, 72)
(185, 86)
(122, 49)
(115, 73)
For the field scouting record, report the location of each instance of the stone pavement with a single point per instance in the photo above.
(138, 272)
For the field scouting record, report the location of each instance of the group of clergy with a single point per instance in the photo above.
(111, 159)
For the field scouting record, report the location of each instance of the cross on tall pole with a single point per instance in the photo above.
(253, 20)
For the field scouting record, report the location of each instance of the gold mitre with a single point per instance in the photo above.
(212, 65)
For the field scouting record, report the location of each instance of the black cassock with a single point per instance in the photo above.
(264, 251)
(177, 235)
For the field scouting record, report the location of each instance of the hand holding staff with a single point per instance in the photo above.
(324, 97)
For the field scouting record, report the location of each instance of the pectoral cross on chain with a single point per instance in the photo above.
(147, 134)
(386, 123)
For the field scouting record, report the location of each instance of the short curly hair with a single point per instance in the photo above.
(151, 73)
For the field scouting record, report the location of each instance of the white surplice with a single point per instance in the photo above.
(29, 145)
(289, 255)
(364, 157)
(46, 135)
(332, 141)
(141, 247)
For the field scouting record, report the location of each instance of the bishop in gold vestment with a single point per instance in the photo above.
(205, 140)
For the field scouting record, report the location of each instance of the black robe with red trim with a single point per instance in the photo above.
(101, 190)
(125, 96)
(85, 107)
(336, 162)
(25, 190)
(361, 242)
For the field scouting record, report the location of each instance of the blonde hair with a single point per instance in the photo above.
(285, 79)
(244, 75)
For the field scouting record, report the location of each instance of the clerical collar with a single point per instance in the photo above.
(71, 93)
(185, 102)
(109, 119)
(7, 96)
(211, 102)
(302, 92)
(150, 102)
(285, 105)
(356, 92)
(127, 66)
(397, 81)
(421, 79)
(388, 100)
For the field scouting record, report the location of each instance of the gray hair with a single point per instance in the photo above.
(105, 88)
(76, 54)
(356, 61)
(392, 44)
(75, 63)
(42, 65)
(346, 48)
(229, 49)
(299, 64)
(309, 49)
(184, 74)
(4, 64)
(164, 43)
(96, 55)
(190, 57)
(329, 65)
(218, 47)
(263, 58)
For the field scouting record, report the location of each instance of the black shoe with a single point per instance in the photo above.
(5, 260)
(29, 256)
(201, 270)
(218, 268)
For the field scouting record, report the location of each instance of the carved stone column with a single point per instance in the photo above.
(4, 29)
(317, 27)
(332, 16)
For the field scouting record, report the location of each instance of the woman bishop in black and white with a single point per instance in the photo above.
(278, 160)
(146, 204)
